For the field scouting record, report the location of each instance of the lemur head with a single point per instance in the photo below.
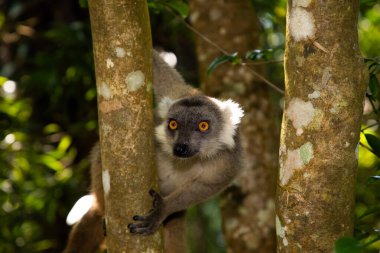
(197, 126)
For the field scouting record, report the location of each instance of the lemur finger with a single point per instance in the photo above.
(141, 231)
(153, 193)
(138, 225)
(157, 200)
(139, 218)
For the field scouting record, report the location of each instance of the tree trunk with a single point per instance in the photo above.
(248, 207)
(122, 51)
(325, 85)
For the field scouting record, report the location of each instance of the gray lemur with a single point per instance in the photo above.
(198, 155)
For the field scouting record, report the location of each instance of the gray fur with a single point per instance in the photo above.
(212, 162)
(167, 82)
(185, 182)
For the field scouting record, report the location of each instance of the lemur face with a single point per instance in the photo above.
(195, 126)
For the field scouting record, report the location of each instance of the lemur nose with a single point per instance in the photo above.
(181, 150)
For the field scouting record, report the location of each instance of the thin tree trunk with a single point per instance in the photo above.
(247, 208)
(325, 85)
(122, 51)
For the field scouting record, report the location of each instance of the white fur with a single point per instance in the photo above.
(162, 139)
(164, 106)
(210, 148)
(232, 114)
(80, 208)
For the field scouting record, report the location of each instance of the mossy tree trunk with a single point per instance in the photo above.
(122, 51)
(248, 206)
(325, 85)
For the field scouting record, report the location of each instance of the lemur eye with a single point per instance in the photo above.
(173, 124)
(203, 126)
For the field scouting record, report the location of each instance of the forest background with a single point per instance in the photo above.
(48, 116)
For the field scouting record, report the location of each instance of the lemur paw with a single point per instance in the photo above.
(149, 223)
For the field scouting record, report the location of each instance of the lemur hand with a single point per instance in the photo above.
(149, 223)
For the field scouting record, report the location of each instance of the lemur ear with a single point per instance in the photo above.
(163, 107)
(232, 114)
(232, 111)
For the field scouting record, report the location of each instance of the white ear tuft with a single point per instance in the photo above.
(232, 110)
(232, 114)
(163, 107)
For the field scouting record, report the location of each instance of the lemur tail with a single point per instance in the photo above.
(87, 236)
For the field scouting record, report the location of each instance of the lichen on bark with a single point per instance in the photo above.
(122, 52)
(324, 70)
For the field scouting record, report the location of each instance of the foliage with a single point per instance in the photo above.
(367, 208)
(176, 6)
(233, 58)
(348, 245)
(369, 32)
(374, 69)
(48, 114)
(368, 195)
(257, 54)
(48, 123)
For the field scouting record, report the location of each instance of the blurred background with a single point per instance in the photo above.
(48, 116)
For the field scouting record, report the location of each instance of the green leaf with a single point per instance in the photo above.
(374, 143)
(368, 2)
(258, 54)
(83, 3)
(254, 55)
(373, 179)
(222, 59)
(370, 210)
(373, 65)
(268, 54)
(64, 143)
(51, 128)
(376, 69)
(374, 85)
(155, 6)
(51, 162)
(178, 6)
(347, 245)
(3, 80)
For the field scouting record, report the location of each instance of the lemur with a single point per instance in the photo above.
(198, 155)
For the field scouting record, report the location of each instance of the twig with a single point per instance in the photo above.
(272, 85)
(222, 50)
(367, 127)
(264, 62)
(203, 36)
(315, 43)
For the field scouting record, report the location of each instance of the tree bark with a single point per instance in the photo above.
(325, 85)
(248, 207)
(123, 53)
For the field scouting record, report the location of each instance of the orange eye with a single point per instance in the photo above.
(203, 126)
(173, 124)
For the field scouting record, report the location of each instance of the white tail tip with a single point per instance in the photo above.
(80, 208)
